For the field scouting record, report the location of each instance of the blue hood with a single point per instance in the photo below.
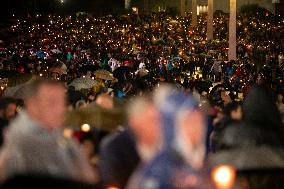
(169, 107)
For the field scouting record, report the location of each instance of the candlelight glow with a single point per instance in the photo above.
(86, 127)
(224, 176)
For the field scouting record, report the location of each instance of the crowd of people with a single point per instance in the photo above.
(142, 101)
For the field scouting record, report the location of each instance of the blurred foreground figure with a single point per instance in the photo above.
(180, 162)
(8, 111)
(255, 147)
(144, 121)
(34, 144)
(120, 153)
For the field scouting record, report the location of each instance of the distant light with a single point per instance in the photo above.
(67, 133)
(61, 1)
(86, 127)
(135, 10)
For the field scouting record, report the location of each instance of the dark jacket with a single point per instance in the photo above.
(118, 159)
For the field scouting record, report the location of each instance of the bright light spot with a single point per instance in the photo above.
(224, 176)
(86, 127)
(67, 133)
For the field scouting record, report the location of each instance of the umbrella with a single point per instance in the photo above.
(143, 72)
(174, 22)
(40, 54)
(246, 149)
(16, 92)
(56, 51)
(221, 87)
(86, 51)
(17, 86)
(21, 79)
(86, 68)
(8, 73)
(60, 71)
(83, 83)
(97, 117)
(175, 59)
(103, 74)
(119, 72)
(251, 158)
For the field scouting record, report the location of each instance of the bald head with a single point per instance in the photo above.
(105, 101)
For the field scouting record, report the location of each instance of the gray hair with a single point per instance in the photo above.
(31, 89)
(137, 105)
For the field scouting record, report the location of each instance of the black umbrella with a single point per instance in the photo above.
(86, 68)
(221, 87)
(119, 72)
(8, 73)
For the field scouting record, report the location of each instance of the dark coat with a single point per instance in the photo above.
(39, 181)
(118, 159)
(260, 113)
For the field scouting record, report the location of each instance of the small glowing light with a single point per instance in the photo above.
(40, 75)
(134, 9)
(67, 133)
(224, 176)
(86, 127)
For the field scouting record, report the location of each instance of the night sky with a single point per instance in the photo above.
(69, 6)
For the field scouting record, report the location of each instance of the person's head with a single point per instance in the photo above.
(233, 110)
(8, 108)
(81, 104)
(105, 101)
(45, 102)
(225, 97)
(279, 98)
(144, 121)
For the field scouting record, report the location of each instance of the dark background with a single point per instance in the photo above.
(10, 7)
(96, 7)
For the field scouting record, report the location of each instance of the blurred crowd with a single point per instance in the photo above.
(141, 101)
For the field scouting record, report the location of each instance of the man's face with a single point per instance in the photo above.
(10, 111)
(50, 103)
(147, 125)
(193, 126)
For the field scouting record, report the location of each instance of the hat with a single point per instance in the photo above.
(251, 157)
(249, 147)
